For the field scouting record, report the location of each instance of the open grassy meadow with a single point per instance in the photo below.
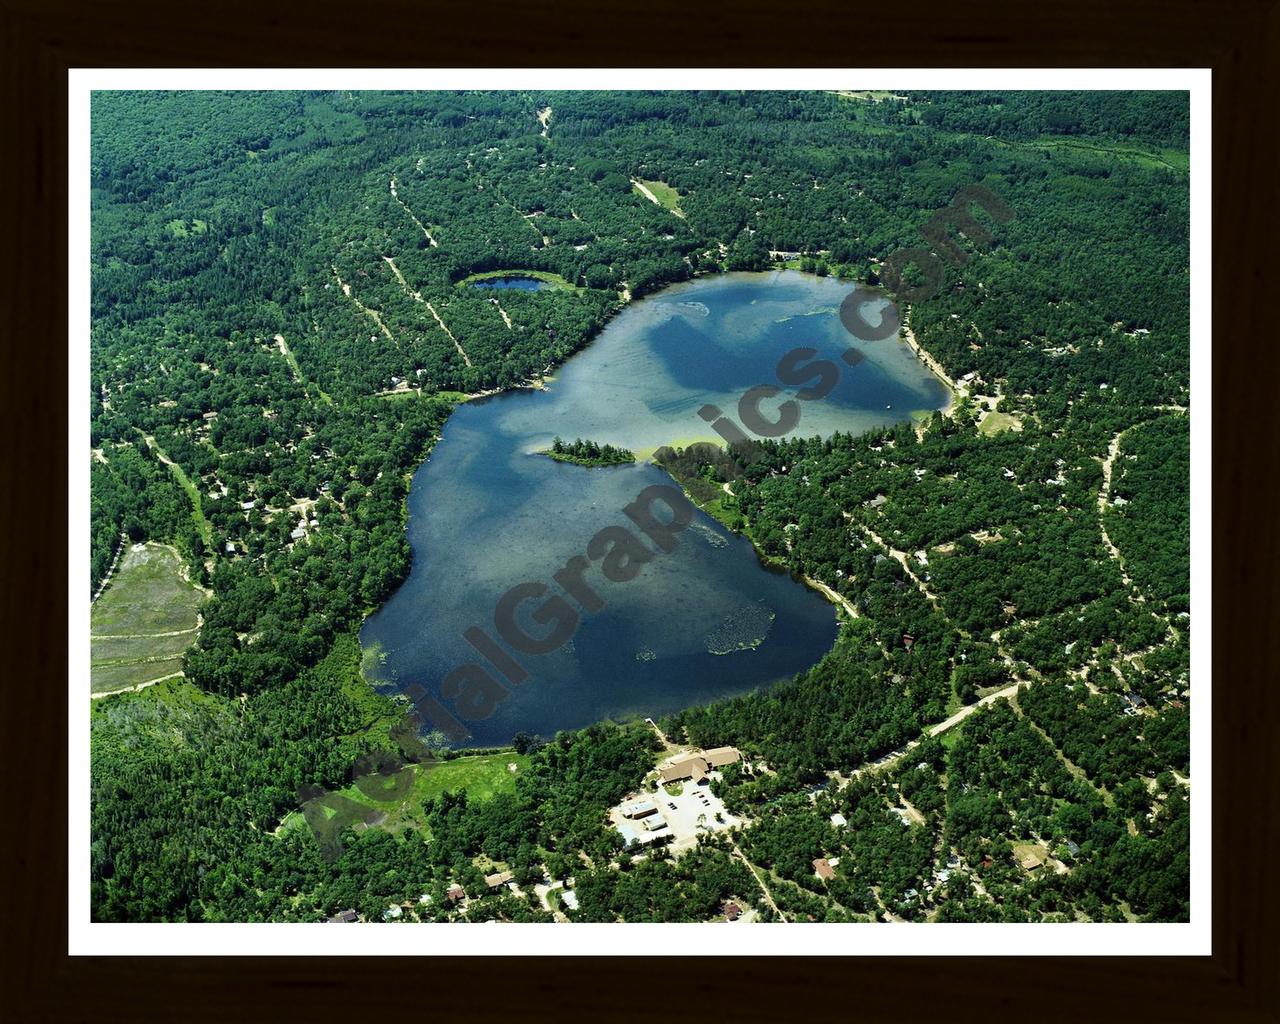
(667, 196)
(144, 621)
(482, 776)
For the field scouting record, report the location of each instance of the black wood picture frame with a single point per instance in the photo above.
(1238, 39)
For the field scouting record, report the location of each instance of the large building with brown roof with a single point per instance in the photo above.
(718, 757)
(697, 766)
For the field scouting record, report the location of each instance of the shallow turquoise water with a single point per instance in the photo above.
(702, 621)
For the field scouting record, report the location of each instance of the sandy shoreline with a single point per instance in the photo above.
(935, 367)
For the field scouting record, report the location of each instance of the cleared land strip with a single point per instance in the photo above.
(760, 882)
(644, 190)
(137, 687)
(197, 509)
(107, 578)
(287, 352)
(968, 709)
(649, 194)
(414, 217)
(143, 636)
(1108, 464)
(894, 756)
(417, 297)
(1074, 769)
(372, 314)
(462, 352)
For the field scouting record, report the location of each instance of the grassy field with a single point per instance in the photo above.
(181, 228)
(482, 776)
(190, 489)
(868, 95)
(143, 622)
(456, 397)
(668, 197)
(995, 422)
(1170, 159)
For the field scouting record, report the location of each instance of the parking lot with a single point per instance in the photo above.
(687, 815)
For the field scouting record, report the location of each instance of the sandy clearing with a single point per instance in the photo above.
(834, 596)
(283, 346)
(934, 365)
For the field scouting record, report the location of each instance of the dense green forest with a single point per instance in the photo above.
(282, 325)
(590, 453)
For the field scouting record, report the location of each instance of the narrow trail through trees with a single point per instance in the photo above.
(412, 216)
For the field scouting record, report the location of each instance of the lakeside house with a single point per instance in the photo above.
(500, 878)
(822, 868)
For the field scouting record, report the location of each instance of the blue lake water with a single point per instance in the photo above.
(523, 284)
(704, 621)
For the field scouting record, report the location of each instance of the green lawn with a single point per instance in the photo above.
(456, 397)
(181, 228)
(106, 678)
(996, 422)
(143, 621)
(952, 736)
(482, 776)
(668, 197)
